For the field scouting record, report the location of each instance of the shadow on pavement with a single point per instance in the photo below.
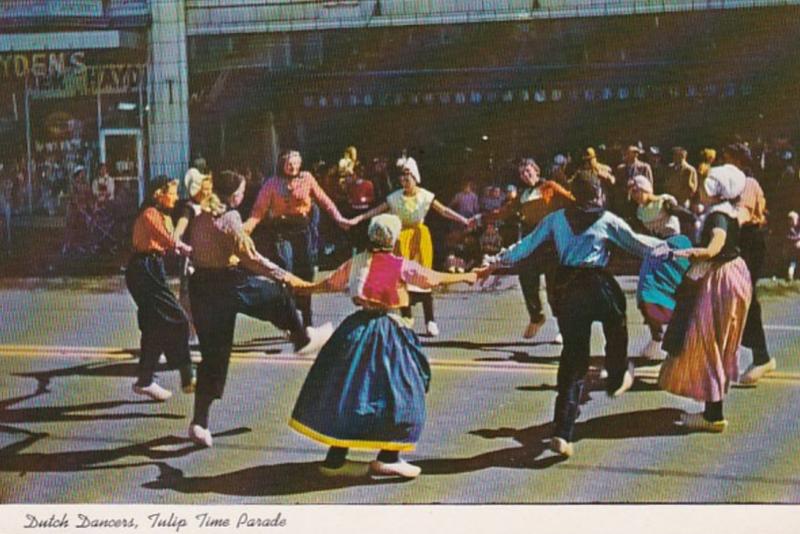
(261, 481)
(534, 441)
(12, 459)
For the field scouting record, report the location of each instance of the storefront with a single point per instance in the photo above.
(69, 109)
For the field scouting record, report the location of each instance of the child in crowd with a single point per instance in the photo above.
(367, 387)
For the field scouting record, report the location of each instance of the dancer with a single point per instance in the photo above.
(199, 188)
(285, 201)
(411, 204)
(164, 325)
(585, 291)
(752, 208)
(703, 337)
(367, 387)
(539, 198)
(225, 283)
(659, 277)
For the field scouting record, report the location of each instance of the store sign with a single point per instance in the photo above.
(91, 80)
(50, 8)
(39, 64)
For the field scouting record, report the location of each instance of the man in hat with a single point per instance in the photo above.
(681, 180)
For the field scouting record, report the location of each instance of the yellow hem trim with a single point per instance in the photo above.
(349, 443)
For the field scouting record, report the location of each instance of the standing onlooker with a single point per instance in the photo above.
(656, 161)
(792, 250)
(465, 202)
(681, 179)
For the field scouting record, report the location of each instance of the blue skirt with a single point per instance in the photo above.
(366, 389)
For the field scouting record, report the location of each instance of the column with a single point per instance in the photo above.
(168, 118)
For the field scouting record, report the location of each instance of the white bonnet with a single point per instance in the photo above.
(410, 164)
(193, 181)
(384, 230)
(725, 181)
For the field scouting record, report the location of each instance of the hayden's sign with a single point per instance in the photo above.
(39, 64)
(91, 80)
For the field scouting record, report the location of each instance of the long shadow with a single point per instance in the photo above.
(12, 458)
(533, 441)
(261, 481)
(124, 369)
(71, 413)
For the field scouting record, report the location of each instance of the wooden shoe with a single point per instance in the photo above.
(561, 446)
(154, 391)
(200, 436)
(696, 421)
(395, 469)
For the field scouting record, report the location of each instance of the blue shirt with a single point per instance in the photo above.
(588, 249)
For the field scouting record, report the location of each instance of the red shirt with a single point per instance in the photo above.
(281, 196)
(151, 232)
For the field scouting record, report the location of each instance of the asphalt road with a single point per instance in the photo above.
(71, 431)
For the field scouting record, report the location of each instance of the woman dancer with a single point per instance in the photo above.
(585, 291)
(411, 204)
(225, 283)
(285, 201)
(705, 332)
(659, 277)
(199, 187)
(164, 325)
(367, 386)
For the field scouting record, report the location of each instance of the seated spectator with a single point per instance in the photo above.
(792, 244)
(491, 241)
(492, 198)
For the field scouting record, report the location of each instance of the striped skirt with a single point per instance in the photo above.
(705, 333)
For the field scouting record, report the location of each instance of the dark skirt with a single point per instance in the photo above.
(366, 389)
(147, 282)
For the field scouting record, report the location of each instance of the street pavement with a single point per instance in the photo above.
(71, 430)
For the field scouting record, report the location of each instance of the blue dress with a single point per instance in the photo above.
(366, 389)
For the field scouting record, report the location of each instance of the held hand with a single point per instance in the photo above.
(246, 246)
(482, 273)
(182, 249)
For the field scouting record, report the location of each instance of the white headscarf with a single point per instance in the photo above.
(410, 164)
(384, 230)
(193, 181)
(725, 182)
